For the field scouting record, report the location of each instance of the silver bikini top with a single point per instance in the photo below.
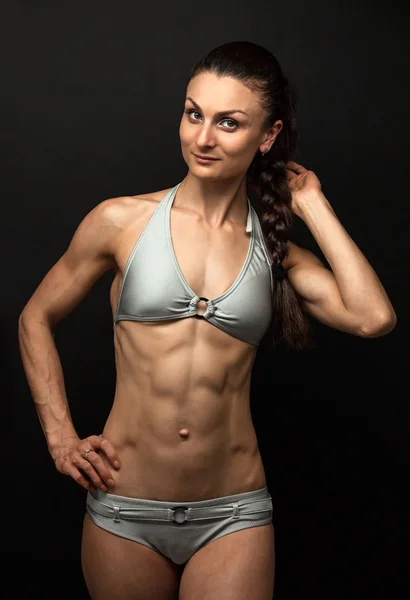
(154, 289)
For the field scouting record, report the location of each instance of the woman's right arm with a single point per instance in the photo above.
(89, 255)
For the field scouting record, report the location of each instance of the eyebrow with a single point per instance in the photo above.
(221, 113)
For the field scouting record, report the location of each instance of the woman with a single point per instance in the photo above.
(197, 279)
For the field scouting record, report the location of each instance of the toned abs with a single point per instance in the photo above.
(181, 418)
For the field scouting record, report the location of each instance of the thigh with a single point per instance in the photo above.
(115, 567)
(237, 566)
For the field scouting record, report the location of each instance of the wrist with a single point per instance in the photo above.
(60, 439)
(309, 202)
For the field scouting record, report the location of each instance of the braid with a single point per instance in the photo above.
(277, 216)
(289, 321)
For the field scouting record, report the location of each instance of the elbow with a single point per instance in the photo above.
(380, 327)
(24, 324)
(28, 318)
(22, 321)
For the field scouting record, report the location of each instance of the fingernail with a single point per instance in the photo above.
(111, 482)
(116, 464)
(104, 488)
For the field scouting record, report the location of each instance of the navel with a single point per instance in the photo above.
(184, 433)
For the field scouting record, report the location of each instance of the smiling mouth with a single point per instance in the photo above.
(205, 157)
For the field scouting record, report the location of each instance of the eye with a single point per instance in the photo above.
(192, 111)
(232, 121)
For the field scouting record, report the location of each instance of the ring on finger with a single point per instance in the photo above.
(86, 452)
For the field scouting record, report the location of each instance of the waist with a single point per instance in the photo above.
(190, 471)
(197, 421)
(193, 443)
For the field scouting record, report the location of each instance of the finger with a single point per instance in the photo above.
(79, 478)
(86, 466)
(101, 442)
(296, 167)
(99, 466)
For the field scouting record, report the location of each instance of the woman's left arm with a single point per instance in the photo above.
(351, 297)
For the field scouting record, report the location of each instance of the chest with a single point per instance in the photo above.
(209, 260)
(167, 265)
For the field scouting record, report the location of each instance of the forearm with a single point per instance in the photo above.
(44, 374)
(360, 288)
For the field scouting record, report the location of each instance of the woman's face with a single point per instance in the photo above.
(207, 129)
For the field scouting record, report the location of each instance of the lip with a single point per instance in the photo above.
(200, 156)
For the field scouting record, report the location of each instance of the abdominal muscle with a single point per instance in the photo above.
(180, 419)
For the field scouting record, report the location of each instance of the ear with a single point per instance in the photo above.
(270, 136)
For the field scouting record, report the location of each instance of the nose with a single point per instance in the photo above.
(206, 137)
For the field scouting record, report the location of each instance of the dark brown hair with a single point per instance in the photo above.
(259, 70)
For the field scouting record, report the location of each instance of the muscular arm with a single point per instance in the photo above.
(89, 255)
(321, 298)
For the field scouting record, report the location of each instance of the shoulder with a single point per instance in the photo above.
(116, 219)
(118, 212)
(298, 256)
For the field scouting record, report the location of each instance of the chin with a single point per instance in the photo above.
(199, 174)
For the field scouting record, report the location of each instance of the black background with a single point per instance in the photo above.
(92, 95)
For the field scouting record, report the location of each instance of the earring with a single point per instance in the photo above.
(263, 153)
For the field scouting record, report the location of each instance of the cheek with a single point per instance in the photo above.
(185, 133)
(239, 145)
